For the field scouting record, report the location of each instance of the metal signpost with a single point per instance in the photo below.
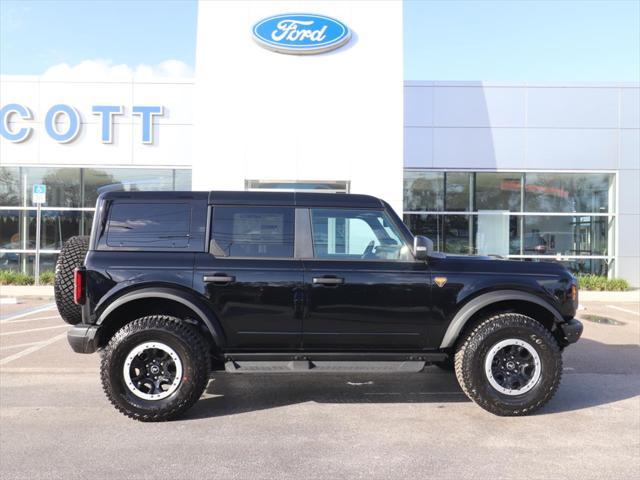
(38, 196)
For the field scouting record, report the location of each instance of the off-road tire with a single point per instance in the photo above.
(472, 351)
(71, 256)
(183, 339)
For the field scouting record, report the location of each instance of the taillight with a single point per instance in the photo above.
(573, 294)
(78, 285)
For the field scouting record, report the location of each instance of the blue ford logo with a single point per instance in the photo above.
(299, 33)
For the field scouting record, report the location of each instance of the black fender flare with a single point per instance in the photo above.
(199, 306)
(481, 301)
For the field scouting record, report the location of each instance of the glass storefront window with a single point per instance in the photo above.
(63, 185)
(25, 262)
(565, 235)
(10, 187)
(10, 229)
(567, 192)
(182, 180)
(298, 186)
(456, 192)
(73, 189)
(498, 191)
(449, 233)
(423, 191)
(97, 181)
(57, 227)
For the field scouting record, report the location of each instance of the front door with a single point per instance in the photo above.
(364, 289)
(250, 278)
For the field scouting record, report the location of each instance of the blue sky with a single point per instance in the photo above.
(444, 40)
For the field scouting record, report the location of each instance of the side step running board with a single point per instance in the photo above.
(319, 366)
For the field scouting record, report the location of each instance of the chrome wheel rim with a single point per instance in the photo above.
(512, 367)
(152, 371)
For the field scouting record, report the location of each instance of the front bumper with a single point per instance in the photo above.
(571, 330)
(83, 338)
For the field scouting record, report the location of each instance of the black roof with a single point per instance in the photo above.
(298, 199)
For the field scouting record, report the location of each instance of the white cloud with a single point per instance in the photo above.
(105, 70)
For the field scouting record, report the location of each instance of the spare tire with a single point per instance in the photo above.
(71, 256)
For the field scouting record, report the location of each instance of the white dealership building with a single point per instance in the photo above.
(526, 171)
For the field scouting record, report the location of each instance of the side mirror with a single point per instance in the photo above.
(422, 247)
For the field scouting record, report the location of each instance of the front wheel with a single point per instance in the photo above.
(155, 368)
(509, 365)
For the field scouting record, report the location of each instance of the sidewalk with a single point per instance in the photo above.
(595, 296)
(30, 291)
(46, 291)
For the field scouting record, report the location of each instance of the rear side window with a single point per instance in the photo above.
(157, 225)
(266, 232)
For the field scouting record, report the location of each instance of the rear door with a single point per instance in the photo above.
(365, 290)
(250, 276)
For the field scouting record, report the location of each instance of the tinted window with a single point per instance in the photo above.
(342, 234)
(252, 232)
(155, 225)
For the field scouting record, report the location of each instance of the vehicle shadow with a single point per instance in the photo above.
(595, 374)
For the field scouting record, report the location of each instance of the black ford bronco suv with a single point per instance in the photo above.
(174, 285)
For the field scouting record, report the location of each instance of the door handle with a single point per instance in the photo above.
(328, 281)
(218, 278)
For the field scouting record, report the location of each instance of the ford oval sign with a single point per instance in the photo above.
(301, 33)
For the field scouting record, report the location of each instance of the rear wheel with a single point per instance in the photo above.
(509, 365)
(71, 256)
(155, 368)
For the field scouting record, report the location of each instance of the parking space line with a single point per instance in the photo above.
(624, 310)
(20, 345)
(28, 312)
(33, 330)
(22, 320)
(32, 349)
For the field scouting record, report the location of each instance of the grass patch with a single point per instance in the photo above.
(602, 283)
(11, 277)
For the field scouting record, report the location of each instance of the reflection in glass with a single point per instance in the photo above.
(565, 235)
(10, 187)
(596, 266)
(449, 233)
(10, 229)
(63, 185)
(57, 227)
(567, 192)
(182, 180)
(498, 191)
(97, 181)
(423, 191)
(25, 262)
(299, 185)
(456, 188)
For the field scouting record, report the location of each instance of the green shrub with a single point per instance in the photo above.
(46, 278)
(11, 277)
(602, 283)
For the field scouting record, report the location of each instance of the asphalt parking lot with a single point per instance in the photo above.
(55, 421)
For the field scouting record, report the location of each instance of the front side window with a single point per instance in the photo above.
(345, 234)
(262, 232)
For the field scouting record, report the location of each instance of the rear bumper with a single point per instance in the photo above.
(571, 330)
(83, 338)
